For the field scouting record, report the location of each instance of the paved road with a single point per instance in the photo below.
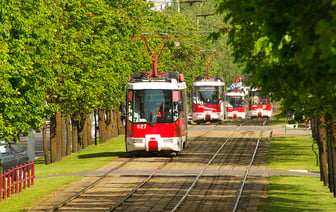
(277, 132)
(37, 144)
(215, 191)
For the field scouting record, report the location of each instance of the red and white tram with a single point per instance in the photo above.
(208, 99)
(157, 112)
(157, 118)
(236, 104)
(259, 106)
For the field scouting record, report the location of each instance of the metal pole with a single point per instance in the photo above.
(31, 145)
(178, 6)
(285, 124)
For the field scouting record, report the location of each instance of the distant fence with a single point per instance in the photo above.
(16, 179)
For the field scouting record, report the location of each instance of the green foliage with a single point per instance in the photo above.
(76, 56)
(288, 47)
(206, 22)
(22, 100)
(70, 56)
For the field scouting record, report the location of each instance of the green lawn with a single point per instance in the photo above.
(293, 153)
(283, 193)
(276, 122)
(295, 193)
(91, 158)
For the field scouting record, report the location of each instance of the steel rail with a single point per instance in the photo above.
(247, 171)
(201, 173)
(139, 186)
(86, 187)
(148, 179)
(214, 156)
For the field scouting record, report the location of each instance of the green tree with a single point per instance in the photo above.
(22, 103)
(289, 55)
(289, 49)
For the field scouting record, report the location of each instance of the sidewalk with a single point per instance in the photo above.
(282, 131)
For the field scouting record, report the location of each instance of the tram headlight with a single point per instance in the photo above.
(137, 140)
(168, 140)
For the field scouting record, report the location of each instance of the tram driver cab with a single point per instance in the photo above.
(157, 113)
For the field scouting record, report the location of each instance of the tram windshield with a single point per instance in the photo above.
(235, 101)
(206, 94)
(255, 99)
(152, 106)
(259, 100)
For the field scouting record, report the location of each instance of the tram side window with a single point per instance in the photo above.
(264, 100)
(194, 96)
(177, 104)
(129, 106)
(139, 113)
(221, 94)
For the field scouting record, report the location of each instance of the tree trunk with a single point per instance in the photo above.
(109, 126)
(88, 131)
(53, 145)
(79, 132)
(83, 133)
(45, 142)
(74, 125)
(63, 140)
(69, 137)
(333, 145)
(121, 129)
(114, 123)
(323, 154)
(102, 126)
(314, 128)
(331, 153)
(59, 144)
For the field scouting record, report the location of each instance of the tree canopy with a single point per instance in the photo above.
(75, 56)
(288, 47)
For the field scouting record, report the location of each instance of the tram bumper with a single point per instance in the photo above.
(260, 113)
(154, 143)
(207, 116)
(235, 115)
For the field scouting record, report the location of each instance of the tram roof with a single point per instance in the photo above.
(208, 83)
(164, 85)
(235, 94)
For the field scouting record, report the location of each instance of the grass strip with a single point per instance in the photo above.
(92, 158)
(295, 193)
(41, 190)
(293, 153)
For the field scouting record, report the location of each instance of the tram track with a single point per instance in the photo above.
(60, 206)
(236, 203)
(183, 182)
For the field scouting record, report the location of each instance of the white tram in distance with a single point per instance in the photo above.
(157, 118)
(208, 99)
(259, 106)
(236, 105)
